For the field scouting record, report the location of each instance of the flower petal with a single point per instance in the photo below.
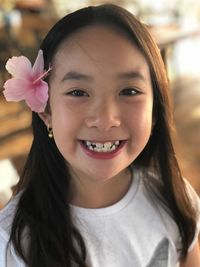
(19, 67)
(41, 92)
(27, 83)
(34, 103)
(38, 67)
(16, 89)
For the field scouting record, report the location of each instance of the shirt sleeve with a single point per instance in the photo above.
(195, 200)
(2, 251)
(8, 257)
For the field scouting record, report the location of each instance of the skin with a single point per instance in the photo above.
(193, 257)
(102, 112)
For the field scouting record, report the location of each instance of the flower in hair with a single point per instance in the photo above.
(27, 82)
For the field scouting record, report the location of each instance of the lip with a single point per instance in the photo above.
(102, 141)
(103, 155)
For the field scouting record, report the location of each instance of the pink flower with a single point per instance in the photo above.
(27, 83)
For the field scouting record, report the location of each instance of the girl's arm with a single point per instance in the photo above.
(193, 257)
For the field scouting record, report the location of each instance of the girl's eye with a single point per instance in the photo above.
(129, 92)
(77, 92)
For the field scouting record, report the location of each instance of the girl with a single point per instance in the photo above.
(101, 185)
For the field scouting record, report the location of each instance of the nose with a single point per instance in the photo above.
(104, 116)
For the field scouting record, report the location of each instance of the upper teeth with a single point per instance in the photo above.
(102, 147)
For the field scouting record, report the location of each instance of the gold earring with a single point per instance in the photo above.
(50, 131)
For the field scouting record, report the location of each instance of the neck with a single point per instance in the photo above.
(100, 194)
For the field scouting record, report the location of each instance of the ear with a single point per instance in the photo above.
(153, 122)
(154, 119)
(45, 117)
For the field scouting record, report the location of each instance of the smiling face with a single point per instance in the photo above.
(100, 92)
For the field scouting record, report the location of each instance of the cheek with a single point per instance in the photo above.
(62, 115)
(63, 125)
(140, 122)
(66, 125)
(64, 132)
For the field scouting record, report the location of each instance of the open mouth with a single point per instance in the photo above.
(102, 147)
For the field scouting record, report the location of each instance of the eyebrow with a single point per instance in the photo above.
(74, 75)
(131, 75)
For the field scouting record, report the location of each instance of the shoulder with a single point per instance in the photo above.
(8, 257)
(195, 202)
(193, 196)
(6, 219)
(7, 215)
(7, 254)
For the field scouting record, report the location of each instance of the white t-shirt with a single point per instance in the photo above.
(132, 232)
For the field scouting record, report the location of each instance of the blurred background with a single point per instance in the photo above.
(175, 25)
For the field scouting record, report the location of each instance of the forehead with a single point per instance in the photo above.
(99, 47)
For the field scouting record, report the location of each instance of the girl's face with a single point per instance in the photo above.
(101, 102)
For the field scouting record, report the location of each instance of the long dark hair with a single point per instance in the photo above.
(43, 211)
